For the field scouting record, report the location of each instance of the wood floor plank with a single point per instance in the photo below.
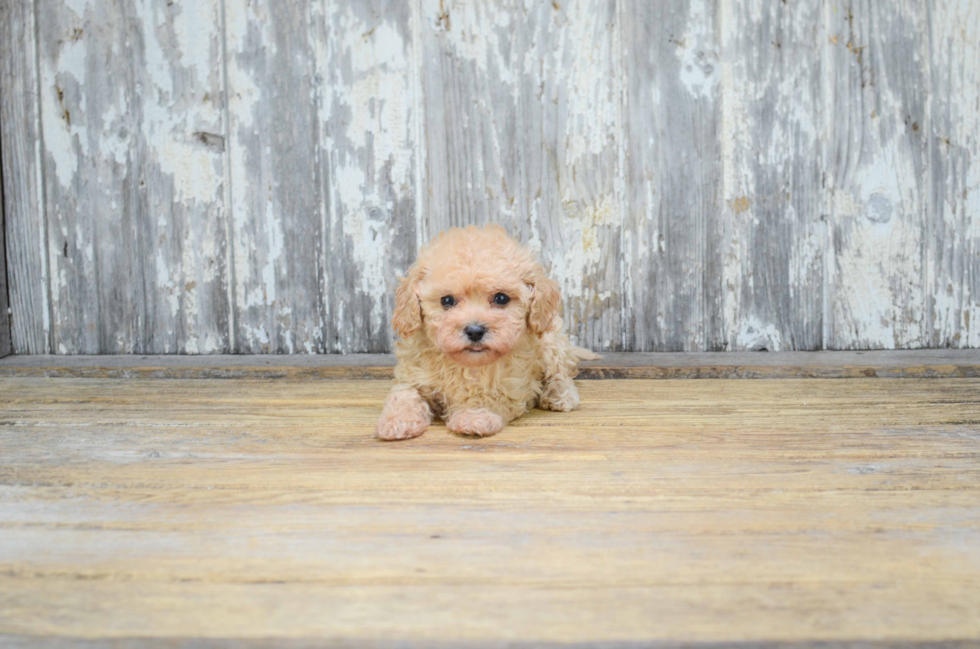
(259, 511)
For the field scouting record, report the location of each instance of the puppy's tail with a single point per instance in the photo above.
(584, 354)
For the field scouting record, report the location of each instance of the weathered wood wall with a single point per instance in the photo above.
(252, 175)
(5, 343)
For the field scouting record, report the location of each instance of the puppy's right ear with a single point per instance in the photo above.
(407, 317)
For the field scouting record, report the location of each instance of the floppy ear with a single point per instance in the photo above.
(545, 298)
(407, 316)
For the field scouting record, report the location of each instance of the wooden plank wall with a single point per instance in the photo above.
(20, 161)
(251, 176)
(5, 345)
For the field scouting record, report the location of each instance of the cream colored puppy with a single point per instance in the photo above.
(481, 340)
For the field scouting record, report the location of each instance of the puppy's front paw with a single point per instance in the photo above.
(478, 421)
(405, 415)
(393, 429)
(560, 396)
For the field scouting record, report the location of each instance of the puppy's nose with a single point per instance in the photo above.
(475, 332)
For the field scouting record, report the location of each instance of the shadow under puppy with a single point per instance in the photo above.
(481, 340)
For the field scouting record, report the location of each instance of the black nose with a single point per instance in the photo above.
(475, 332)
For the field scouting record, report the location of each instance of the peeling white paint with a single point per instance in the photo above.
(196, 171)
(258, 334)
(879, 277)
(698, 53)
(482, 46)
(593, 109)
(755, 336)
(274, 239)
(583, 253)
(806, 252)
(377, 93)
(539, 141)
(867, 298)
(194, 45)
(244, 94)
(954, 259)
(771, 118)
(65, 135)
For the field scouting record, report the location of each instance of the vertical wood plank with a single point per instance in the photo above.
(571, 134)
(130, 94)
(774, 201)
(23, 207)
(878, 102)
(367, 114)
(276, 227)
(471, 72)
(90, 122)
(672, 236)
(954, 156)
(181, 210)
(4, 310)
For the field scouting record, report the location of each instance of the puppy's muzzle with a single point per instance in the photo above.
(475, 332)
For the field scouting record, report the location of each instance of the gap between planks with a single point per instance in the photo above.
(945, 363)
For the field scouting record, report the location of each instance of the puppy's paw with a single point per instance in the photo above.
(393, 429)
(560, 396)
(478, 421)
(405, 415)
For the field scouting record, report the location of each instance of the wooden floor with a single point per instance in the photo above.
(248, 512)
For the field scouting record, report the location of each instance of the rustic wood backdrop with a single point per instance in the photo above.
(252, 175)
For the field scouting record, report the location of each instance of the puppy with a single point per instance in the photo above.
(481, 340)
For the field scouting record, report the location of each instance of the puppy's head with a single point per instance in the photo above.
(473, 293)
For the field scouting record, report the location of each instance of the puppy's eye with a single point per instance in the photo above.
(448, 301)
(500, 299)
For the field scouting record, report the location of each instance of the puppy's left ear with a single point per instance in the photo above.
(542, 317)
(407, 316)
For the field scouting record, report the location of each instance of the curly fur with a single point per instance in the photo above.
(523, 361)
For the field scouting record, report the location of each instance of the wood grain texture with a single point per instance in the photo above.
(687, 511)
(23, 180)
(774, 199)
(90, 121)
(879, 179)
(275, 199)
(131, 95)
(21, 641)
(182, 212)
(572, 141)
(954, 158)
(5, 346)
(368, 115)
(673, 279)
(471, 74)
